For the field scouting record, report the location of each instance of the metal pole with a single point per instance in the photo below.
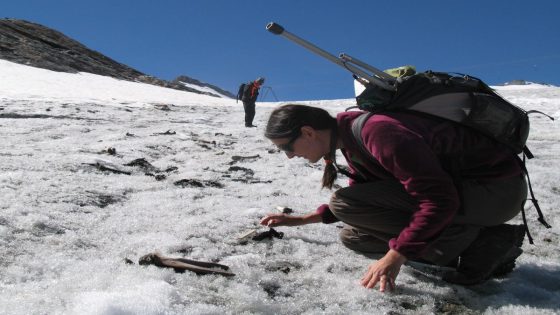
(364, 65)
(279, 30)
(262, 97)
(265, 94)
(274, 94)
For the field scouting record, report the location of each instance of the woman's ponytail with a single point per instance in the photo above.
(331, 171)
(329, 175)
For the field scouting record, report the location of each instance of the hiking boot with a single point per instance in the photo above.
(250, 126)
(518, 236)
(515, 233)
(492, 253)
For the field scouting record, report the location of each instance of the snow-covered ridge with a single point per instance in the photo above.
(36, 45)
(21, 81)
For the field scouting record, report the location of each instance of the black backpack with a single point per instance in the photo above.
(241, 91)
(459, 98)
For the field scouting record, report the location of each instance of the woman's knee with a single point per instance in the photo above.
(358, 241)
(383, 194)
(337, 203)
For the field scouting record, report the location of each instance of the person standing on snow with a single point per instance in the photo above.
(428, 190)
(249, 96)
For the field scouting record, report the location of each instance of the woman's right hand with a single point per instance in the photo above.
(282, 219)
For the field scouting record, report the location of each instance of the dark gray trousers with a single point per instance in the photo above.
(249, 108)
(378, 211)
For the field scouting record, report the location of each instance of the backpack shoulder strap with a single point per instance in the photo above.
(357, 126)
(533, 200)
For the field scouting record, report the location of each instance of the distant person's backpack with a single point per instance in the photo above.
(241, 91)
(459, 98)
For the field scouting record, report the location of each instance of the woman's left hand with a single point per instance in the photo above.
(384, 271)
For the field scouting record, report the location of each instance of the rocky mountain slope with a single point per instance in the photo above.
(39, 46)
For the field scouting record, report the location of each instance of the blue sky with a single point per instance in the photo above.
(225, 42)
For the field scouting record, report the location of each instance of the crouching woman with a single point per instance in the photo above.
(420, 189)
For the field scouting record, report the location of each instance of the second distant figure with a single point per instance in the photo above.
(248, 95)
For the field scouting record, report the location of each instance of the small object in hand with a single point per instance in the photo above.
(285, 210)
(268, 235)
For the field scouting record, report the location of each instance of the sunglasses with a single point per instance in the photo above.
(288, 146)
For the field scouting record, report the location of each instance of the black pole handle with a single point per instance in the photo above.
(275, 28)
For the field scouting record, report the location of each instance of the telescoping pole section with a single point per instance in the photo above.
(343, 62)
(364, 65)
